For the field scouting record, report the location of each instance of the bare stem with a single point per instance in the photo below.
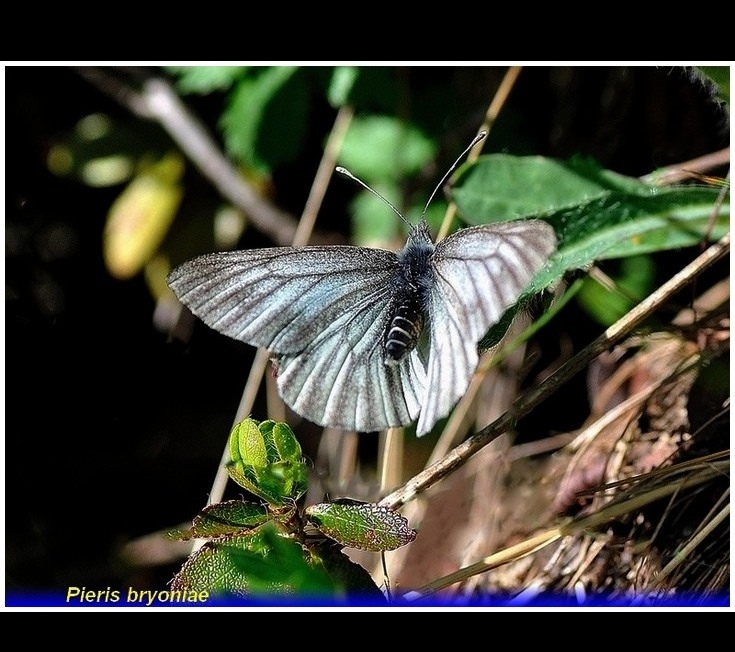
(686, 170)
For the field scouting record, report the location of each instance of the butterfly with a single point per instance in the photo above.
(365, 339)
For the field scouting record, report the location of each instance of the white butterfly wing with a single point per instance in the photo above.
(323, 312)
(478, 273)
(341, 379)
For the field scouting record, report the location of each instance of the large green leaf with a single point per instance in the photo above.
(596, 214)
(265, 562)
(501, 187)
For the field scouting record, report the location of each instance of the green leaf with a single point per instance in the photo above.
(264, 124)
(501, 187)
(624, 217)
(382, 148)
(247, 444)
(619, 225)
(206, 79)
(229, 517)
(286, 444)
(350, 577)
(265, 562)
(365, 526)
(597, 214)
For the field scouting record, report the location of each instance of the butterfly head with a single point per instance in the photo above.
(419, 234)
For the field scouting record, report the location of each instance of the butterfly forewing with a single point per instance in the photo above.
(323, 312)
(478, 273)
(280, 298)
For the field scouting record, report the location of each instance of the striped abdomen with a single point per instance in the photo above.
(410, 286)
(404, 329)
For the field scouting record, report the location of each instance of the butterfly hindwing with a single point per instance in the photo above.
(351, 387)
(478, 273)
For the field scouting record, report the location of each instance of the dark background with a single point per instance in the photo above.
(113, 428)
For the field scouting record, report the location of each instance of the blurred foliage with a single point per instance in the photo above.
(265, 120)
(140, 217)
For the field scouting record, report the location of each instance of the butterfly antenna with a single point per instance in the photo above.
(474, 142)
(349, 174)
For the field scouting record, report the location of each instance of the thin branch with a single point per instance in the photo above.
(119, 91)
(531, 399)
(190, 134)
(687, 170)
(497, 104)
(157, 100)
(323, 176)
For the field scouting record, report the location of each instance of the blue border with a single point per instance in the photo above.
(117, 599)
